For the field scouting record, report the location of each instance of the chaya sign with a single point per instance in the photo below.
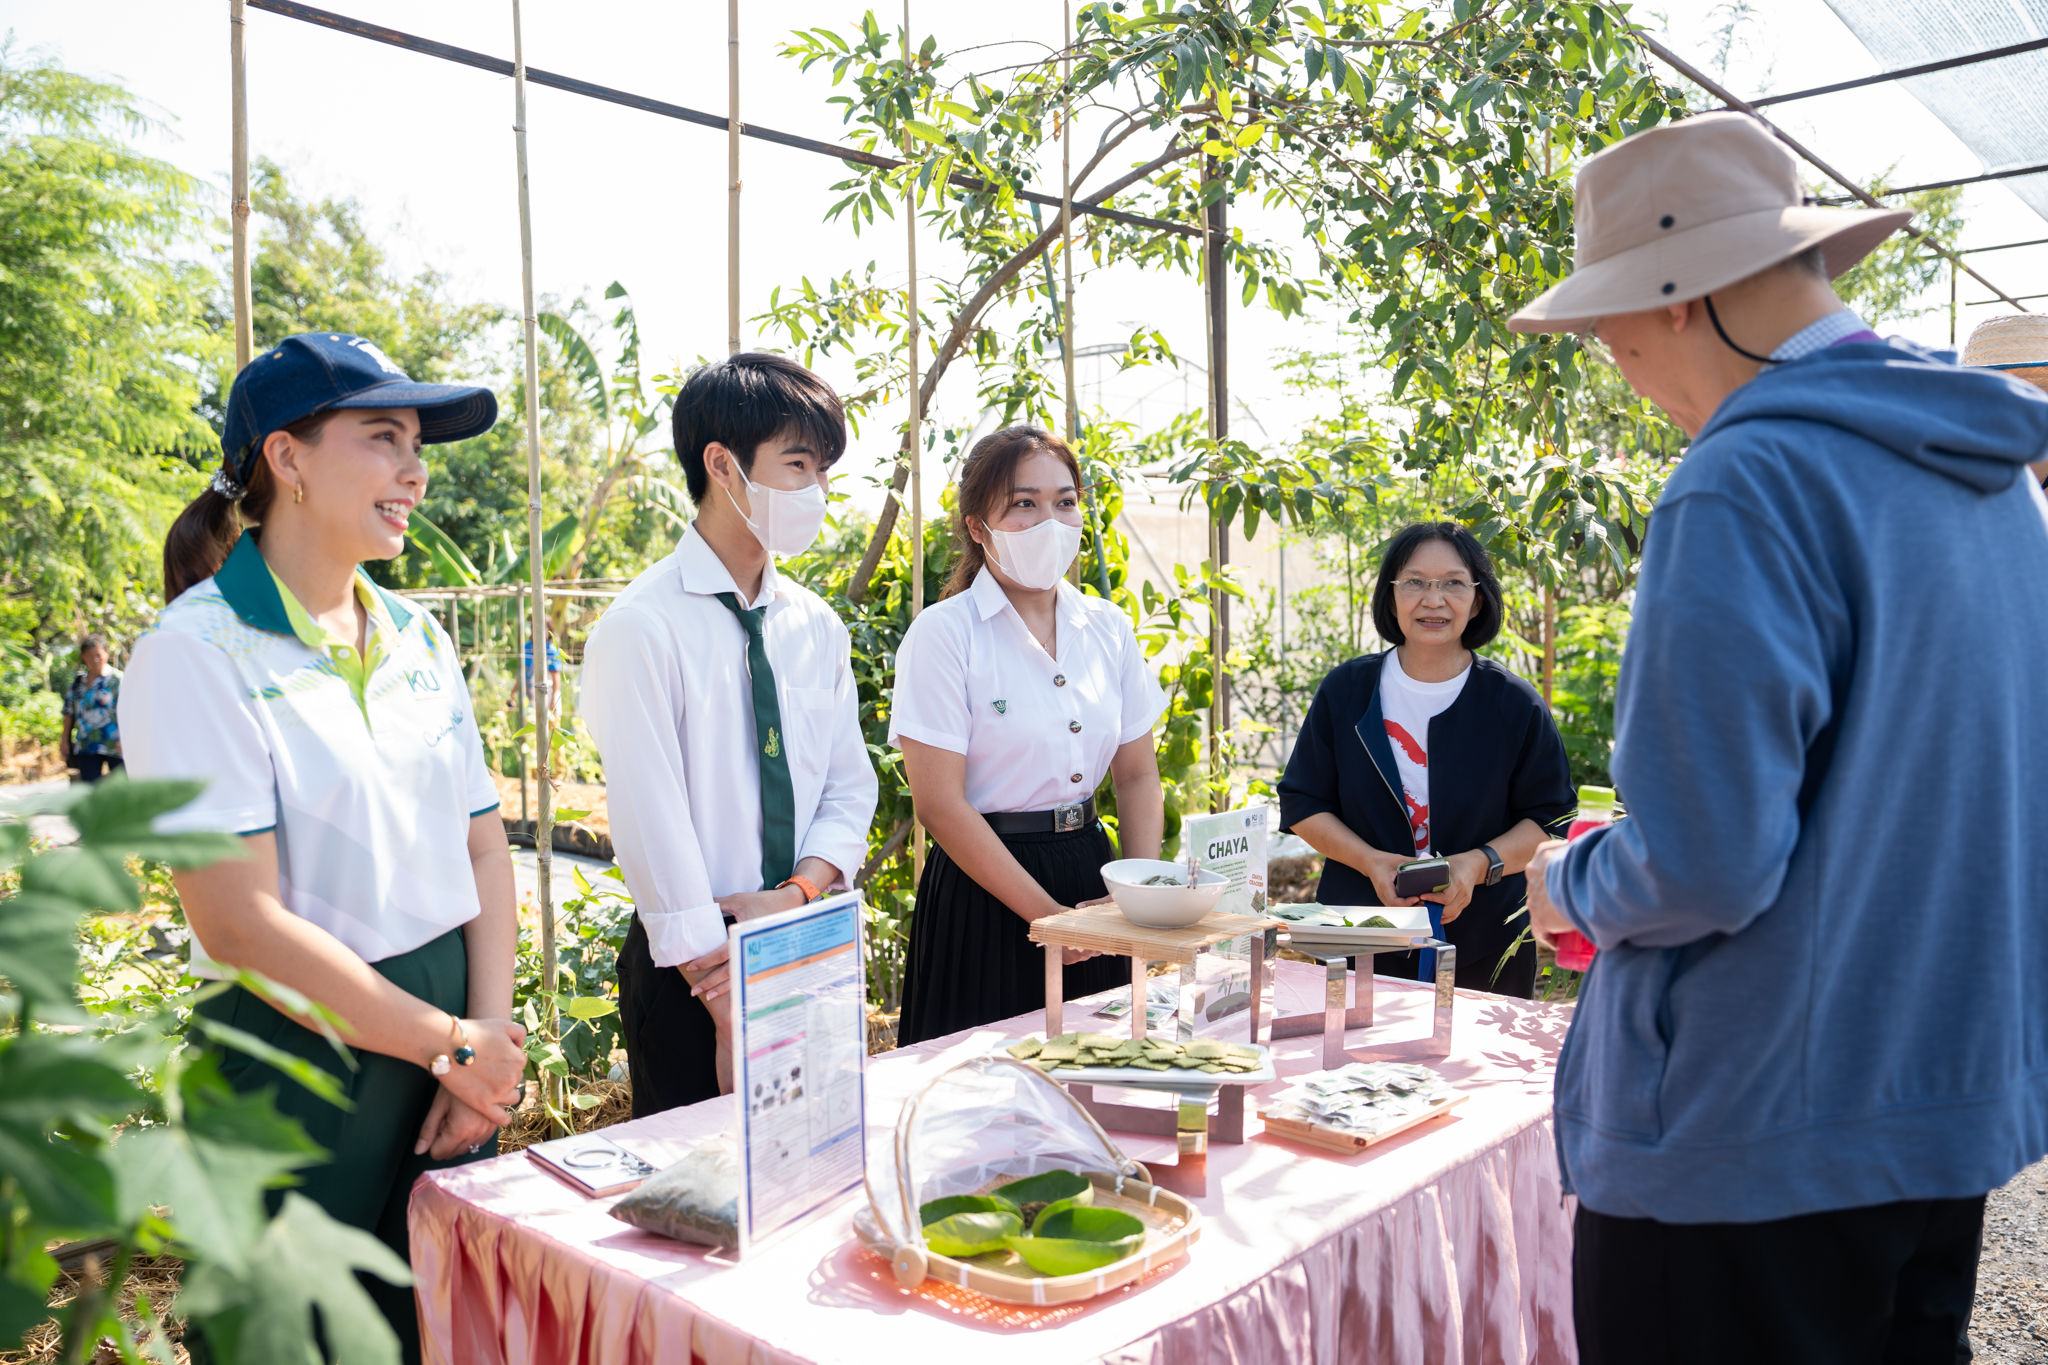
(1233, 845)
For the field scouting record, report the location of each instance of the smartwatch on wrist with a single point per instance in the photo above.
(1494, 866)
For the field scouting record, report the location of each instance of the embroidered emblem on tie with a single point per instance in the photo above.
(1001, 707)
(773, 748)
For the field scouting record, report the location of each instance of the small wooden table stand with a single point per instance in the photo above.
(1336, 1017)
(1104, 929)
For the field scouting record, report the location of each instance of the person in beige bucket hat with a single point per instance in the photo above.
(2017, 345)
(1788, 1083)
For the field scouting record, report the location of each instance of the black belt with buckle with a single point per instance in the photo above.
(1058, 820)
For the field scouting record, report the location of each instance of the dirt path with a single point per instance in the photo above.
(2010, 1323)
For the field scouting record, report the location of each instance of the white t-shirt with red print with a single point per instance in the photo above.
(1409, 706)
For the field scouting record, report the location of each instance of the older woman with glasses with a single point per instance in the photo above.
(1428, 750)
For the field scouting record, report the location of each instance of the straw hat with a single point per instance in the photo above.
(1680, 211)
(2014, 342)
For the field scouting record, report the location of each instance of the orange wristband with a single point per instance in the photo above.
(803, 884)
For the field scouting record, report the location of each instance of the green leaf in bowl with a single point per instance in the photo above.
(971, 1234)
(1077, 1239)
(1046, 1187)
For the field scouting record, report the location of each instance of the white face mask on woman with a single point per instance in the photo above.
(1037, 558)
(785, 521)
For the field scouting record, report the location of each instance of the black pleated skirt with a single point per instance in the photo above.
(972, 960)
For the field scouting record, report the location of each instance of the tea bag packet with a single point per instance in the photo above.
(1364, 1097)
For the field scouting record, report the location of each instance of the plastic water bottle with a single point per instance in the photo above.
(1596, 808)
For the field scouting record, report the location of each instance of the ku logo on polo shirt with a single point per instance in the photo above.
(366, 763)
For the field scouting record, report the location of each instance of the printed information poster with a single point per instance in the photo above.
(1232, 843)
(799, 1043)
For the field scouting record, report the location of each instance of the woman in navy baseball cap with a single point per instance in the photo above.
(331, 726)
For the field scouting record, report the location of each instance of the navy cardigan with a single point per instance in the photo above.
(1495, 758)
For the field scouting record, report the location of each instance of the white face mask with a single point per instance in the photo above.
(1037, 558)
(785, 521)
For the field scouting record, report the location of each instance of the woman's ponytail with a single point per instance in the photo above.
(200, 539)
(199, 542)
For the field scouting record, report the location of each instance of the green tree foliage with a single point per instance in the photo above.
(1891, 283)
(102, 336)
(113, 1127)
(1424, 155)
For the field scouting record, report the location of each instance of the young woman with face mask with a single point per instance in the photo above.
(1014, 697)
(331, 725)
(721, 694)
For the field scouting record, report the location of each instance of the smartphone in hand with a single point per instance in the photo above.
(1421, 877)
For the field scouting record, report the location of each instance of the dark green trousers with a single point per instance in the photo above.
(368, 1182)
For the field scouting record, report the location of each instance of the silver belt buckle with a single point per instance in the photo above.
(1068, 817)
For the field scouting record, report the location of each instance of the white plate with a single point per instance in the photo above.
(1173, 1078)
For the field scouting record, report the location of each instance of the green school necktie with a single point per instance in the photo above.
(778, 801)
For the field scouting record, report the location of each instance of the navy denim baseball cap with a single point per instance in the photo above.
(321, 371)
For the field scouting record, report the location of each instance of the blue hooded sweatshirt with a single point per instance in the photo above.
(1823, 927)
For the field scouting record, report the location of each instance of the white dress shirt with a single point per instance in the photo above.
(666, 694)
(1038, 732)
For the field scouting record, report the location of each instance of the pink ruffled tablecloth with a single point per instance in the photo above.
(1450, 1243)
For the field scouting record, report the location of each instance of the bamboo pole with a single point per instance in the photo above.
(238, 210)
(1067, 214)
(1216, 230)
(913, 341)
(732, 164)
(1549, 642)
(543, 824)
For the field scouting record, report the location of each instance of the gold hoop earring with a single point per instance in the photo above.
(298, 492)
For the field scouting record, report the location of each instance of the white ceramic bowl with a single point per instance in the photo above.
(1161, 907)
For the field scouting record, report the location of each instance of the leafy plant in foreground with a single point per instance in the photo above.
(112, 1128)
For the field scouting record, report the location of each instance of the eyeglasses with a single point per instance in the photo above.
(1456, 589)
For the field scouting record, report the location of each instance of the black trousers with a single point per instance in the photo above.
(92, 767)
(671, 1043)
(1889, 1284)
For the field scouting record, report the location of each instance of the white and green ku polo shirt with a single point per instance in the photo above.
(368, 769)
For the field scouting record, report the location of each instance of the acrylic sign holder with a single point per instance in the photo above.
(1336, 1017)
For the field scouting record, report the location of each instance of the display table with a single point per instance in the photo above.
(1449, 1243)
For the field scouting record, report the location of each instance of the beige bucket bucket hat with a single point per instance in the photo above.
(2014, 342)
(1676, 212)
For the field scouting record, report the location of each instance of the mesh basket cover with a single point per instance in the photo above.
(983, 1119)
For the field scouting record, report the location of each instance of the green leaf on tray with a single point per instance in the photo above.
(963, 1203)
(1059, 1206)
(971, 1234)
(1046, 1187)
(1077, 1239)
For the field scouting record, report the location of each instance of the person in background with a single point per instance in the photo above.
(92, 723)
(2017, 344)
(1014, 697)
(329, 722)
(1814, 1035)
(1427, 750)
(721, 695)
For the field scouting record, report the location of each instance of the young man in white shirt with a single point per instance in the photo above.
(722, 697)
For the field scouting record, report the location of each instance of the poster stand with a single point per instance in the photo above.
(799, 1057)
